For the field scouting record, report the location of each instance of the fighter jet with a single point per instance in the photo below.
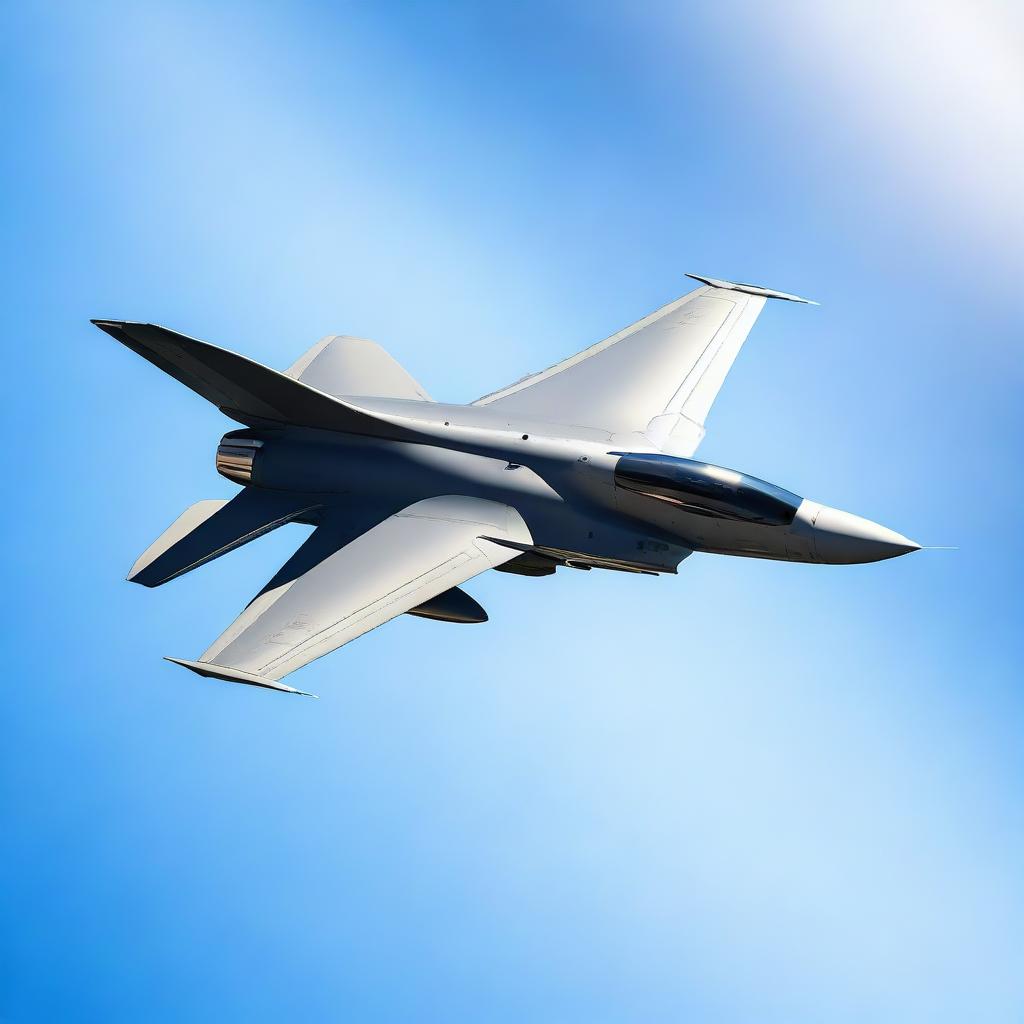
(587, 465)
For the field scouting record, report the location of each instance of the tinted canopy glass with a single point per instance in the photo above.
(706, 490)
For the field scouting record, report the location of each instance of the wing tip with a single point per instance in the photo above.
(105, 323)
(751, 289)
(210, 670)
(119, 330)
(111, 327)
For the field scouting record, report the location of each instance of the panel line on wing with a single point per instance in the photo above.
(324, 635)
(704, 360)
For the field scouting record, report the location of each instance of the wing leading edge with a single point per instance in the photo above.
(331, 594)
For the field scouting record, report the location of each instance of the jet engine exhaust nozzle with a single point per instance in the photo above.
(236, 457)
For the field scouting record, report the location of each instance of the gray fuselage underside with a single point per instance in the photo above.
(560, 478)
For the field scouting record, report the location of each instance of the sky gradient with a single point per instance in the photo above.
(753, 792)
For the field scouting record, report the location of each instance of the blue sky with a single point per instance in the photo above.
(754, 792)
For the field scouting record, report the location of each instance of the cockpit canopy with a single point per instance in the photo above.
(706, 490)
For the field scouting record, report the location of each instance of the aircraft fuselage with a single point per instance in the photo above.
(590, 499)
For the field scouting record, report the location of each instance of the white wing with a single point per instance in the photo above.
(326, 596)
(658, 376)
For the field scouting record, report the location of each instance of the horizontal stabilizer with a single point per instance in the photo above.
(243, 389)
(234, 675)
(212, 528)
(750, 289)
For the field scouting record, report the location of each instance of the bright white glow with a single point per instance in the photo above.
(728, 476)
(929, 97)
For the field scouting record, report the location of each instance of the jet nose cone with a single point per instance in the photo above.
(843, 538)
